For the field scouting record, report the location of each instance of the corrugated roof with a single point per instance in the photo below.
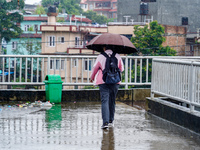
(31, 18)
(29, 35)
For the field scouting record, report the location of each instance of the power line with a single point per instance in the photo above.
(84, 40)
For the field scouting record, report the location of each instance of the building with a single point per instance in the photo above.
(31, 35)
(167, 12)
(107, 8)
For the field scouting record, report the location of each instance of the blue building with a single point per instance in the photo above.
(29, 42)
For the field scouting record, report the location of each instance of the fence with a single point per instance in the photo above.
(74, 70)
(177, 79)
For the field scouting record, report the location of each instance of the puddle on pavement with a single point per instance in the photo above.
(76, 126)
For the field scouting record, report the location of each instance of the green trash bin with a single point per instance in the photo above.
(53, 88)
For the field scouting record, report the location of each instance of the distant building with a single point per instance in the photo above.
(167, 12)
(29, 8)
(29, 35)
(107, 8)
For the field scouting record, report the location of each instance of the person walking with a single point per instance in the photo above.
(108, 92)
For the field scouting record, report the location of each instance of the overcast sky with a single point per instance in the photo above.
(32, 1)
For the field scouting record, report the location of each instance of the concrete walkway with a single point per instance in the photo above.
(77, 126)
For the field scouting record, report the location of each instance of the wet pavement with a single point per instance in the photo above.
(77, 126)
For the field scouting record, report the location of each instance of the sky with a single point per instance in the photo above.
(32, 1)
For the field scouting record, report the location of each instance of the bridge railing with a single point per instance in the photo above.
(75, 70)
(177, 79)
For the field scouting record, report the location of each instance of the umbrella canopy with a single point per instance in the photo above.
(118, 43)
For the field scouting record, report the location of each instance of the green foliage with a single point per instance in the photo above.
(92, 15)
(110, 20)
(91, 87)
(19, 86)
(73, 7)
(40, 10)
(8, 27)
(4, 50)
(32, 47)
(70, 6)
(31, 28)
(61, 20)
(149, 40)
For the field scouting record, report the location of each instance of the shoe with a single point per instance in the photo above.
(104, 126)
(111, 124)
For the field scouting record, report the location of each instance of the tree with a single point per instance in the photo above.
(70, 6)
(92, 15)
(32, 46)
(40, 10)
(149, 40)
(9, 18)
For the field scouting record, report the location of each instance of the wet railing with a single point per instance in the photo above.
(177, 79)
(74, 70)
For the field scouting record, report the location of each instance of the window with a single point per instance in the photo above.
(98, 5)
(51, 41)
(76, 41)
(14, 45)
(198, 32)
(84, 6)
(106, 4)
(91, 7)
(57, 64)
(26, 27)
(12, 64)
(35, 27)
(74, 63)
(129, 36)
(61, 40)
(86, 65)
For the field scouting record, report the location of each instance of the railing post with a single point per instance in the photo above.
(3, 69)
(48, 65)
(152, 80)
(126, 72)
(191, 87)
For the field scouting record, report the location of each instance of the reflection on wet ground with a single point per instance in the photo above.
(77, 126)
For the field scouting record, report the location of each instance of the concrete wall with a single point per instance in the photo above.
(72, 95)
(168, 12)
(174, 113)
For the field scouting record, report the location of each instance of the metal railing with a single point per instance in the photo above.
(127, 23)
(74, 70)
(177, 79)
